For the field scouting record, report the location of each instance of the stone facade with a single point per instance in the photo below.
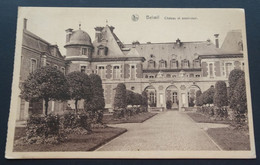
(167, 71)
(36, 53)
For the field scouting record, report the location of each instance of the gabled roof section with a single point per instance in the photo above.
(133, 53)
(233, 41)
(36, 43)
(111, 41)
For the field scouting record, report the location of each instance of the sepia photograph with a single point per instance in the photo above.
(130, 83)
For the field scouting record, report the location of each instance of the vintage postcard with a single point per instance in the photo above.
(130, 83)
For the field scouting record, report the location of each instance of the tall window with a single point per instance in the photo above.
(228, 68)
(83, 69)
(101, 71)
(33, 65)
(174, 97)
(151, 64)
(116, 72)
(211, 70)
(152, 97)
(84, 51)
(133, 72)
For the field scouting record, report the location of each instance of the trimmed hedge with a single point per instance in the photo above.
(120, 96)
(220, 96)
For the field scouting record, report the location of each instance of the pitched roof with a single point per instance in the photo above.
(233, 41)
(35, 42)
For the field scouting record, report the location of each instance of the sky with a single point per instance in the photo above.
(50, 23)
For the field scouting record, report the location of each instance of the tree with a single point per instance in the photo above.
(220, 96)
(239, 100)
(79, 87)
(208, 96)
(45, 83)
(233, 78)
(120, 96)
(198, 98)
(144, 99)
(96, 101)
(129, 97)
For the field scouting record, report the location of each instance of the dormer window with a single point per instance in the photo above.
(174, 64)
(185, 63)
(162, 64)
(151, 64)
(102, 50)
(196, 63)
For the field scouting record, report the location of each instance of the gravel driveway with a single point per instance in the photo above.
(171, 130)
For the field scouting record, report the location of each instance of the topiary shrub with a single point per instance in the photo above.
(220, 95)
(239, 101)
(208, 96)
(233, 78)
(96, 103)
(144, 106)
(120, 96)
(198, 98)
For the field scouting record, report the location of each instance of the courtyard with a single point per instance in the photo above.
(171, 130)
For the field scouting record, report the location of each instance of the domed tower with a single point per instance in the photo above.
(79, 50)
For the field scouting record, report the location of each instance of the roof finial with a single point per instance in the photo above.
(106, 22)
(79, 25)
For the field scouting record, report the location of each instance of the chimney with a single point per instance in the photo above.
(69, 32)
(98, 33)
(24, 23)
(216, 40)
(178, 42)
(112, 28)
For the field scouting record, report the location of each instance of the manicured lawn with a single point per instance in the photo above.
(230, 138)
(227, 138)
(139, 118)
(201, 118)
(75, 142)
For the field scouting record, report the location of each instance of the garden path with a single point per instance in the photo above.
(171, 130)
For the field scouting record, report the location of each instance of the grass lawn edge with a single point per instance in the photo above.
(107, 140)
(130, 120)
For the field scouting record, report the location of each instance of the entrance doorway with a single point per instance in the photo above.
(151, 93)
(172, 97)
(192, 95)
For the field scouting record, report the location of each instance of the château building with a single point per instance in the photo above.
(167, 71)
